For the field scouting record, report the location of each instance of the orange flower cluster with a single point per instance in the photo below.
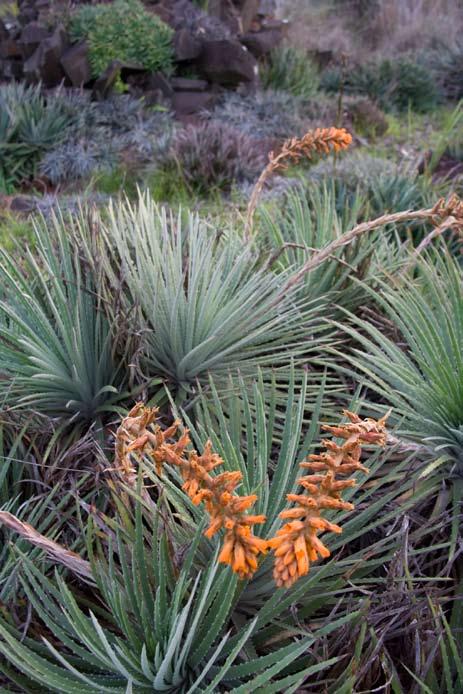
(448, 207)
(139, 434)
(297, 544)
(318, 141)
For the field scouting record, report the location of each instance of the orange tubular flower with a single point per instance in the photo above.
(139, 434)
(296, 544)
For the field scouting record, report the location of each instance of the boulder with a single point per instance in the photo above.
(186, 45)
(105, 83)
(156, 81)
(260, 43)
(23, 204)
(45, 63)
(226, 12)
(248, 10)
(227, 62)
(10, 48)
(185, 84)
(27, 15)
(3, 32)
(11, 69)
(187, 103)
(76, 65)
(31, 37)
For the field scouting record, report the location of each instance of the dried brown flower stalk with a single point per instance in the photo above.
(445, 214)
(319, 141)
(140, 434)
(56, 552)
(448, 214)
(297, 544)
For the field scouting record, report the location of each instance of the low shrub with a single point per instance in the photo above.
(100, 135)
(56, 354)
(384, 186)
(392, 84)
(366, 118)
(265, 114)
(30, 125)
(420, 376)
(447, 66)
(213, 156)
(124, 31)
(291, 70)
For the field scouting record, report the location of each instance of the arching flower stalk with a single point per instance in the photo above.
(320, 141)
(297, 544)
(139, 434)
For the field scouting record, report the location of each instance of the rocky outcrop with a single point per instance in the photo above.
(221, 47)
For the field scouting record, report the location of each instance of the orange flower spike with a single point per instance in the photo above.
(139, 434)
(253, 520)
(296, 544)
(138, 444)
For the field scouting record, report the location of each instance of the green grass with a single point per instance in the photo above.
(15, 231)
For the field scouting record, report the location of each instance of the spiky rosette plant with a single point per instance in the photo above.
(422, 376)
(205, 305)
(150, 623)
(55, 350)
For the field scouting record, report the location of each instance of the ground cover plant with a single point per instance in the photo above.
(231, 382)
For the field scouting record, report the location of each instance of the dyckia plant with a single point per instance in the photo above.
(422, 378)
(55, 347)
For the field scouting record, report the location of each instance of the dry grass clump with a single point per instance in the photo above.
(386, 27)
(404, 25)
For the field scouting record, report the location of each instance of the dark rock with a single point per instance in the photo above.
(23, 204)
(163, 13)
(156, 81)
(132, 69)
(248, 11)
(76, 64)
(10, 48)
(184, 84)
(45, 63)
(186, 103)
(322, 58)
(187, 15)
(186, 46)
(31, 36)
(27, 15)
(228, 62)
(260, 43)
(105, 83)
(153, 97)
(11, 69)
(3, 32)
(226, 12)
(52, 49)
